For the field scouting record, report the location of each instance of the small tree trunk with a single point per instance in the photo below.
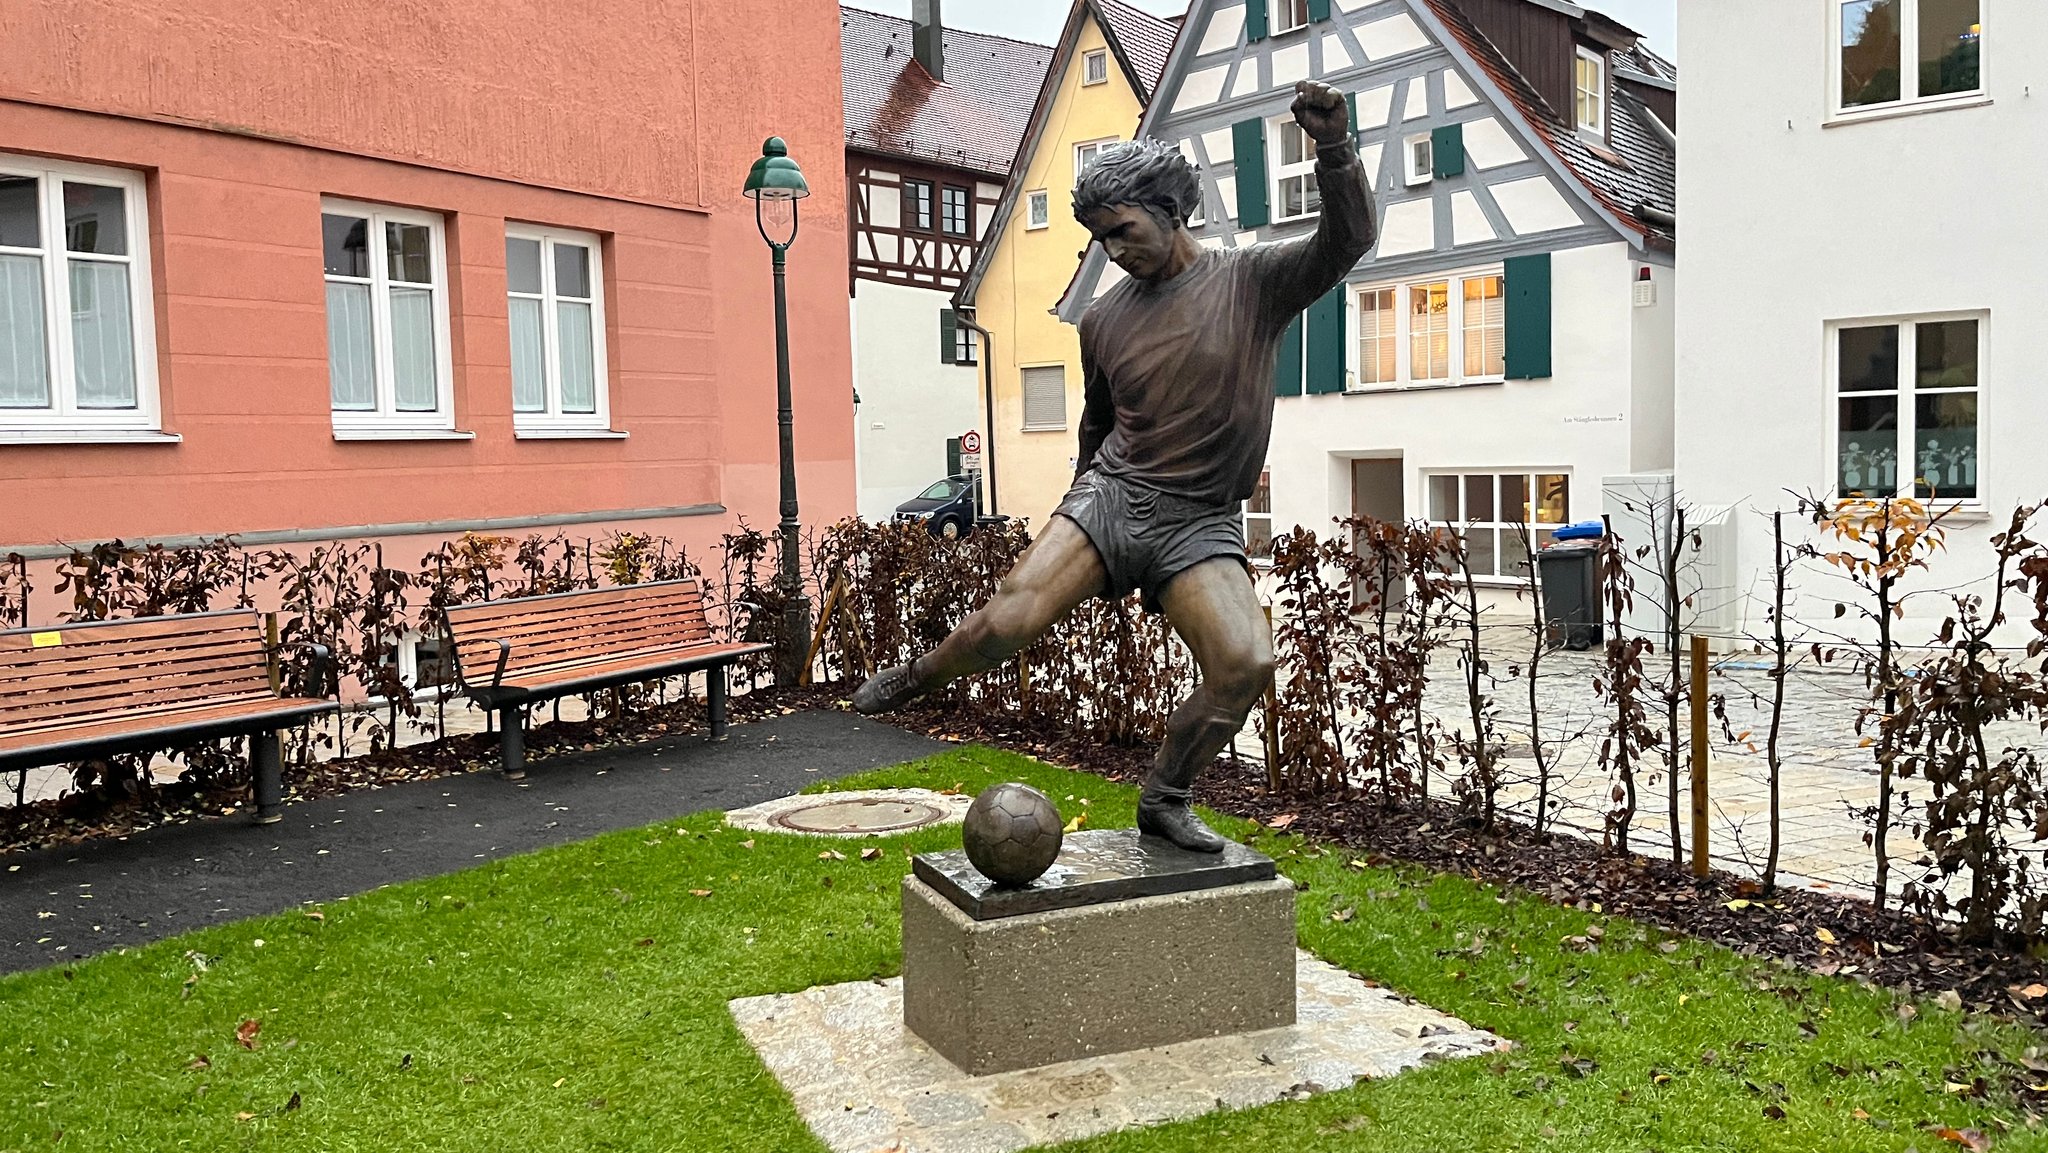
(1777, 692)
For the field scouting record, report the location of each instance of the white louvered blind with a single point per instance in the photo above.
(1045, 397)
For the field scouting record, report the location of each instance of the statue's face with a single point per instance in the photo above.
(1133, 238)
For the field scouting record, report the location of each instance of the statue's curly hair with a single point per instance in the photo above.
(1149, 174)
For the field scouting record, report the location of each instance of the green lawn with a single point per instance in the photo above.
(574, 999)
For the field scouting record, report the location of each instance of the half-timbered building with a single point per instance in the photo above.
(933, 119)
(1507, 346)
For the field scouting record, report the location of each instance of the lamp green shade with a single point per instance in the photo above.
(775, 176)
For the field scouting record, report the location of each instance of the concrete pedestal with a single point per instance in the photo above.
(1037, 988)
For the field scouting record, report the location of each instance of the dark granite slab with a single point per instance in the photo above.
(1093, 867)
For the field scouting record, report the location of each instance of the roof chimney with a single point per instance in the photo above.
(928, 35)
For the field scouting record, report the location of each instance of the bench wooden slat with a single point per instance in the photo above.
(480, 657)
(16, 644)
(518, 630)
(201, 661)
(555, 605)
(138, 725)
(100, 658)
(121, 699)
(605, 668)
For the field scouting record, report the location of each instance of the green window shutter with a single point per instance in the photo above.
(1255, 20)
(1287, 361)
(1447, 148)
(1326, 342)
(949, 337)
(952, 456)
(1318, 9)
(1528, 316)
(1248, 146)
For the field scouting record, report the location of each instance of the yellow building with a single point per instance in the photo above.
(1105, 68)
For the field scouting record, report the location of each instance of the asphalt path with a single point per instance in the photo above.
(62, 904)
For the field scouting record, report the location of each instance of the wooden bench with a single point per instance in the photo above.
(509, 654)
(81, 692)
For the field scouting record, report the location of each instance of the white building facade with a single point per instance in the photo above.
(933, 120)
(1507, 345)
(1864, 282)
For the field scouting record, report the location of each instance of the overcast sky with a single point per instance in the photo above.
(1040, 20)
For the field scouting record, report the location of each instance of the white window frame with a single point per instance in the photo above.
(1262, 559)
(1088, 148)
(1903, 395)
(1599, 93)
(1404, 375)
(385, 422)
(551, 419)
(1418, 159)
(964, 198)
(1095, 68)
(1281, 172)
(1288, 16)
(1909, 99)
(1506, 535)
(1037, 210)
(64, 420)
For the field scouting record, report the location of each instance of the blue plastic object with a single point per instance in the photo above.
(1584, 530)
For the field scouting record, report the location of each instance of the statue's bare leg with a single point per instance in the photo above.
(1215, 609)
(1059, 571)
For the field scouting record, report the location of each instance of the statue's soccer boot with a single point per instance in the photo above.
(1176, 822)
(888, 690)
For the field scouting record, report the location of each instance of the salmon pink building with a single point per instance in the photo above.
(346, 270)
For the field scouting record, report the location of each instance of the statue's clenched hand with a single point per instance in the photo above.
(1321, 112)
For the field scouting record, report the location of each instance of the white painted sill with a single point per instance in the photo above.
(1907, 108)
(87, 436)
(366, 434)
(1423, 386)
(1045, 428)
(568, 434)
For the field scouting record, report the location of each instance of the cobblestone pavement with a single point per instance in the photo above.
(1829, 780)
(864, 1083)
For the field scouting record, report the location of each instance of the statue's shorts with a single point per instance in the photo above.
(1146, 537)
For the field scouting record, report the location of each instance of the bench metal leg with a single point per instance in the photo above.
(266, 768)
(714, 693)
(512, 741)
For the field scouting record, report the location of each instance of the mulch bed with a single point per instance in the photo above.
(1826, 933)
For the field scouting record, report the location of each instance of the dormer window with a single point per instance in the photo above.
(1590, 92)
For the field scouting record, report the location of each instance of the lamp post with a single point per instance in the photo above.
(775, 185)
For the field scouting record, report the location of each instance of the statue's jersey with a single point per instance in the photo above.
(1178, 375)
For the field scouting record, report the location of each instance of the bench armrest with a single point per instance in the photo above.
(497, 674)
(321, 677)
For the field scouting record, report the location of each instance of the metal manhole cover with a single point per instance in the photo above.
(863, 815)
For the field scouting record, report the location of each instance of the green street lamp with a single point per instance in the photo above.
(775, 185)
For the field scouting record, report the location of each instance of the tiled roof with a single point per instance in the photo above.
(1145, 39)
(1640, 169)
(974, 120)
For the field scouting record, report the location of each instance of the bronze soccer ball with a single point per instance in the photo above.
(1012, 834)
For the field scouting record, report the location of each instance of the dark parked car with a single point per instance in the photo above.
(947, 507)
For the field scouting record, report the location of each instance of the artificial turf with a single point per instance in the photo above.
(575, 999)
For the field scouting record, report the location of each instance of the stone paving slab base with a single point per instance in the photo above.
(864, 1083)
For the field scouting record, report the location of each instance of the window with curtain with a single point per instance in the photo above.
(1906, 408)
(554, 284)
(1501, 517)
(1258, 520)
(1430, 333)
(387, 320)
(77, 333)
(1038, 209)
(1289, 15)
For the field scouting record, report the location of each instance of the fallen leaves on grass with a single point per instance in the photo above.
(831, 855)
(1970, 1139)
(870, 854)
(700, 892)
(199, 1062)
(245, 1033)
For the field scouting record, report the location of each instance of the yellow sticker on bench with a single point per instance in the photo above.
(45, 640)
